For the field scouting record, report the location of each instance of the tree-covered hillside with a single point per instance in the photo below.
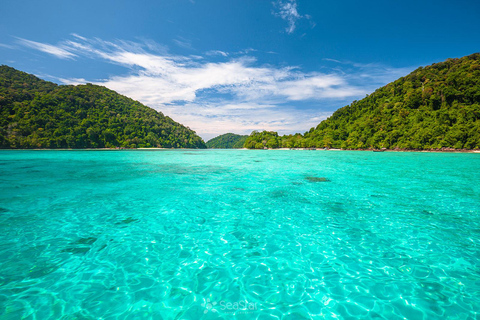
(227, 141)
(433, 107)
(271, 140)
(38, 114)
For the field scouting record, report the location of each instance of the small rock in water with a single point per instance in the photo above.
(200, 220)
(88, 240)
(127, 221)
(2, 210)
(279, 194)
(317, 179)
(428, 213)
(81, 246)
(77, 250)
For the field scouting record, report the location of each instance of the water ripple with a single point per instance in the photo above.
(244, 235)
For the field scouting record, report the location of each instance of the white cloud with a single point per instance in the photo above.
(78, 36)
(71, 81)
(182, 42)
(212, 98)
(246, 51)
(287, 10)
(243, 118)
(6, 46)
(216, 53)
(375, 74)
(331, 60)
(57, 51)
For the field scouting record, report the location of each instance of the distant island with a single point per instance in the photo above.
(39, 114)
(433, 108)
(227, 141)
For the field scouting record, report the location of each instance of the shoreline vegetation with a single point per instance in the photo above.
(445, 150)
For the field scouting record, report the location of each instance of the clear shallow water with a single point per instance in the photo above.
(228, 234)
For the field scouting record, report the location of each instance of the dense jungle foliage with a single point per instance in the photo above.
(227, 141)
(433, 107)
(38, 114)
(271, 140)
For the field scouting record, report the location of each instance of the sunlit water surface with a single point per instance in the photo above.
(240, 234)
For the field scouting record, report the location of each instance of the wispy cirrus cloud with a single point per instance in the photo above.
(183, 42)
(376, 74)
(216, 53)
(6, 46)
(56, 50)
(212, 97)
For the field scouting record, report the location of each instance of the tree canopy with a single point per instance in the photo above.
(38, 114)
(227, 141)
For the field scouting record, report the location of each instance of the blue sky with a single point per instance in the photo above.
(236, 66)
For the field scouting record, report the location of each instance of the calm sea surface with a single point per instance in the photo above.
(210, 234)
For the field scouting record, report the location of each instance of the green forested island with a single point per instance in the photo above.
(39, 114)
(433, 107)
(227, 141)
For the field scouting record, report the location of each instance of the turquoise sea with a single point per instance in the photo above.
(238, 234)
